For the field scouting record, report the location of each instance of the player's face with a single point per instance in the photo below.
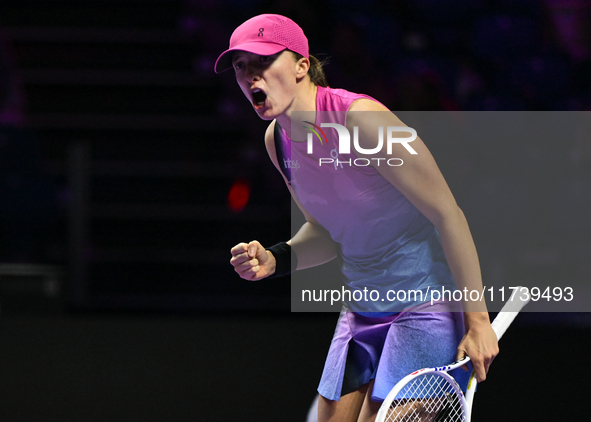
(269, 82)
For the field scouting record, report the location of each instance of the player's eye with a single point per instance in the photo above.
(238, 65)
(267, 60)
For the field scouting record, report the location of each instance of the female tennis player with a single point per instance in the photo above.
(391, 227)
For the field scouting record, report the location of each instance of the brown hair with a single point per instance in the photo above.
(316, 71)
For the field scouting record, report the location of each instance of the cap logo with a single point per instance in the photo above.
(261, 31)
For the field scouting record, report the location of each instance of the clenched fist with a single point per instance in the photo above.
(251, 261)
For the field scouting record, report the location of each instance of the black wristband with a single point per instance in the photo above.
(286, 260)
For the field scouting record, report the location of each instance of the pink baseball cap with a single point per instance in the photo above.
(265, 35)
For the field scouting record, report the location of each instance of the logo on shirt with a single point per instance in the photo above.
(288, 163)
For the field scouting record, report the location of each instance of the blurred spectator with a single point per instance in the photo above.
(469, 82)
(11, 88)
(422, 89)
(350, 62)
(570, 21)
(27, 196)
(207, 22)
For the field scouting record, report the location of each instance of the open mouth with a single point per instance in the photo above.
(258, 98)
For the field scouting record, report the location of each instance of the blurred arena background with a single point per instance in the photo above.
(128, 169)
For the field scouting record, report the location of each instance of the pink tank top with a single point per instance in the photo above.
(385, 242)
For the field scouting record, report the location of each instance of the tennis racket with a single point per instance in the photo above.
(431, 394)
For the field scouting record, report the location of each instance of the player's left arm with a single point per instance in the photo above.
(421, 182)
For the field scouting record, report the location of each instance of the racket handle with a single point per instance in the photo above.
(510, 310)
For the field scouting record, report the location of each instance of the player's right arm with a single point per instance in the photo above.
(312, 244)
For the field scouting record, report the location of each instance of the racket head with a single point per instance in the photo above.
(426, 395)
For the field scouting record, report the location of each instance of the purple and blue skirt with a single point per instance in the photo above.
(387, 348)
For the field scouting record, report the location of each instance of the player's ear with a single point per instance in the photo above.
(302, 67)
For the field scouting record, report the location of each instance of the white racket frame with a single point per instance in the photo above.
(503, 320)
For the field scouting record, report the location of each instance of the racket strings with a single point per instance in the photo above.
(426, 398)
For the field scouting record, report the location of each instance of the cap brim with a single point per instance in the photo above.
(224, 61)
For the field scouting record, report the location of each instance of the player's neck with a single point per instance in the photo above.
(305, 100)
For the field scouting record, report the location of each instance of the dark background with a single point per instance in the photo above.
(128, 168)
